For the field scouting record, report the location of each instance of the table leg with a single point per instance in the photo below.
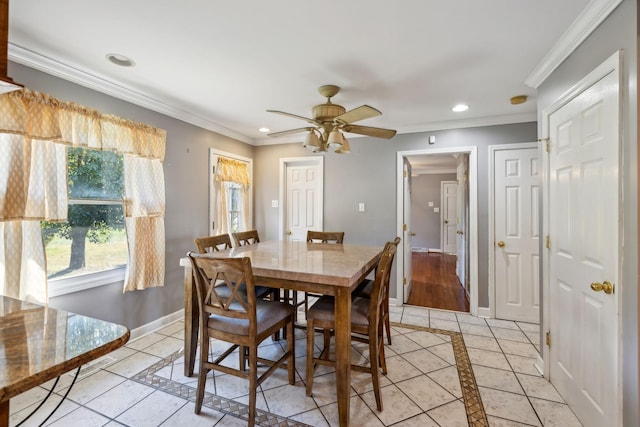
(191, 322)
(4, 414)
(343, 352)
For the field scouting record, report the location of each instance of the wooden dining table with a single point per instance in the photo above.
(39, 343)
(321, 268)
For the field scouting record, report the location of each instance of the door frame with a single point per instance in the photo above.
(472, 152)
(492, 213)
(612, 64)
(285, 162)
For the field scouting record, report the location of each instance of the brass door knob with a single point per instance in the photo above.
(412, 234)
(605, 286)
(459, 232)
(289, 233)
(501, 244)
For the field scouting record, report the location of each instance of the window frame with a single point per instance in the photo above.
(66, 285)
(213, 161)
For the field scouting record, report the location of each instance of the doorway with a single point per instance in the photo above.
(467, 220)
(301, 195)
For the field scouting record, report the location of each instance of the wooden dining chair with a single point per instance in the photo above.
(366, 326)
(240, 319)
(336, 237)
(365, 289)
(210, 244)
(325, 236)
(249, 237)
(213, 243)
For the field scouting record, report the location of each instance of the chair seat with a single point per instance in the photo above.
(364, 289)
(261, 291)
(268, 314)
(323, 310)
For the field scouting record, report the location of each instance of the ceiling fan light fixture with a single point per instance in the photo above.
(345, 149)
(311, 141)
(335, 139)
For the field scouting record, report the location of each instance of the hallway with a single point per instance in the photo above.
(434, 283)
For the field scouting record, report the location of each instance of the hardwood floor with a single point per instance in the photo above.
(434, 282)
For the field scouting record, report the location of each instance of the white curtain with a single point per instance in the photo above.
(34, 132)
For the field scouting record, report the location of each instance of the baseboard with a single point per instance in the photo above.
(484, 312)
(419, 250)
(156, 324)
(394, 302)
(434, 250)
(539, 364)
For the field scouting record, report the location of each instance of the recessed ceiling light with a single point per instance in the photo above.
(460, 107)
(264, 130)
(121, 60)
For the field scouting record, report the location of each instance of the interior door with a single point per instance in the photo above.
(583, 258)
(516, 234)
(449, 215)
(407, 233)
(461, 225)
(303, 201)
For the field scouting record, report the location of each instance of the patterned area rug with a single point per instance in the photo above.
(155, 376)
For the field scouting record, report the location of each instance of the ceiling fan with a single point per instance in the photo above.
(331, 120)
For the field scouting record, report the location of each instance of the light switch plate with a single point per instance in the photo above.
(360, 207)
(436, 209)
(274, 203)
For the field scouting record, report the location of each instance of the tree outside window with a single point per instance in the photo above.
(93, 238)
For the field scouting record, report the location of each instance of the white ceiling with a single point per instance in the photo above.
(222, 64)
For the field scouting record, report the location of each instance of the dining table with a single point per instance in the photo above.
(39, 343)
(319, 268)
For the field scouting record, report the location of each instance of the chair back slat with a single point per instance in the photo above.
(213, 243)
(248, 237)
(325, 236)
(224, 286)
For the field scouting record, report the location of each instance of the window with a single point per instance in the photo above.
(235, 207)
(93, 238)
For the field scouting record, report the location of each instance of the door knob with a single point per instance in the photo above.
(501, 244)
(289, 233)
(412, 234)
(459, 232)
(446, 221)
(605, 286)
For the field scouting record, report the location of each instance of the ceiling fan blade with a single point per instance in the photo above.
(290, 131)
(360, 113)
(370, 131)
(295, 116)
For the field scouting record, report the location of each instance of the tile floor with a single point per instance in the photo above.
(422, 387)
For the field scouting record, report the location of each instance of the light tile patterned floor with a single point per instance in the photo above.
(142, 383)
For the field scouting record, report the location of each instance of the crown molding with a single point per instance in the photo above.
(588, 20)
(101, 84)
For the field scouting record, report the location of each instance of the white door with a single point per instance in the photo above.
(407, 233)
(516, 234)
(449, 215)
(303, 198)
(583, 258)
(461, 252)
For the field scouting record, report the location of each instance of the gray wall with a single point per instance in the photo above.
(368, 175)
(186, 182)
(424, 221)
(619, 31)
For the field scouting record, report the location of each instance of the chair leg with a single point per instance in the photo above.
(310, 348)
(291, 344)
(253, 383)
(202, 373)
(374, 359)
